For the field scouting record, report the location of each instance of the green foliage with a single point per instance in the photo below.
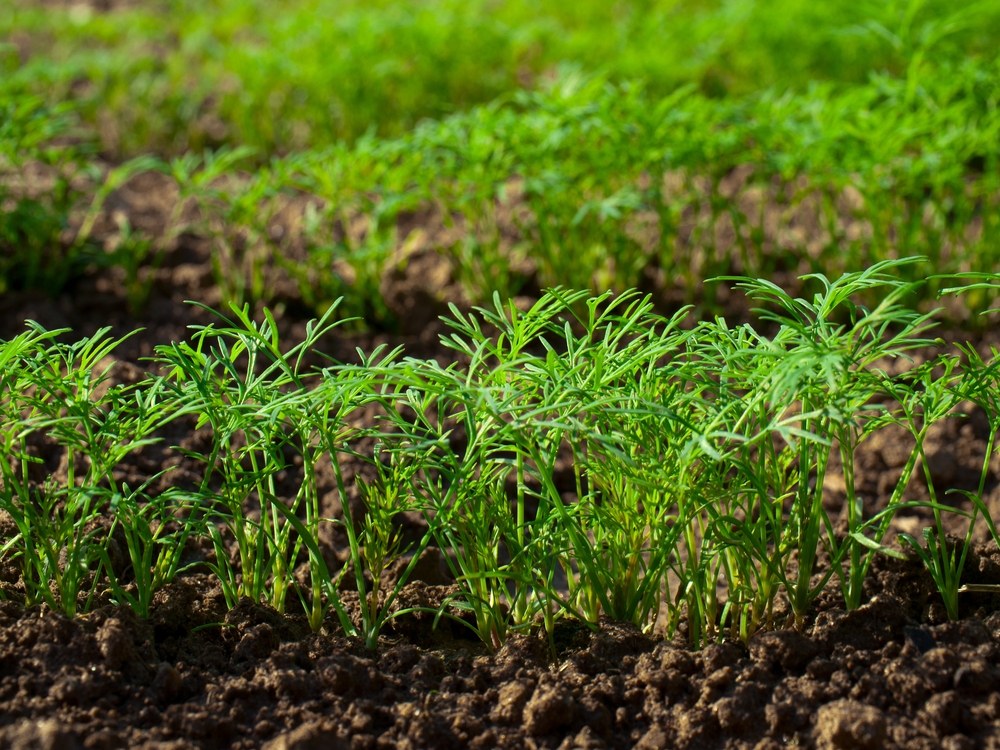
(46, 174)
(596, 186)
(154, 539)
(182, 75)
(56, 393)
(583, 457)
(588, 180)
(32, 216)
(250, 423)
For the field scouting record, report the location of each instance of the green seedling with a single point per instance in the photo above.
(645, 175)
(34, 134)
(582, 458)
(463, 490)
(378, 545)
(321, 424)
(796, 396)
(925, 398)
(135, 254)
(155, 532)
(981, 385)
(115, 179)
(56, 392)
(234, 212)
(234, 378)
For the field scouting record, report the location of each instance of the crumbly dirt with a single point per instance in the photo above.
(892, 674)
(196, 676)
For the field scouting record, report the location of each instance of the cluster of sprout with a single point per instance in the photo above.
(581, 184)
(580, 458)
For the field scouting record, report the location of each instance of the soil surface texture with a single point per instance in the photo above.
(892, 674)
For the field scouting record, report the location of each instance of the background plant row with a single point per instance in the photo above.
(177, 75)
(585, 183)
(585, 457)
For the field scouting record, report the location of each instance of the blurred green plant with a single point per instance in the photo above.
(36, 192)
(181, 75)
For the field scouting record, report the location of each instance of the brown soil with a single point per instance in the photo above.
(893, 674)
(195, 675)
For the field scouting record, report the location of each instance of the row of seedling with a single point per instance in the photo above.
(580, 458)
(184, 75)
(583, 185)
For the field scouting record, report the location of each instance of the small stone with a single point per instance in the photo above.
(958, 742)
(47, 734)
(785, 648)
(510, 703)
(548, 709)
(654, 739)
(114, 642)
(850, 724)
(976, 678)
(314, 735)
(167, 683)
(920, 638)
(944, 712)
